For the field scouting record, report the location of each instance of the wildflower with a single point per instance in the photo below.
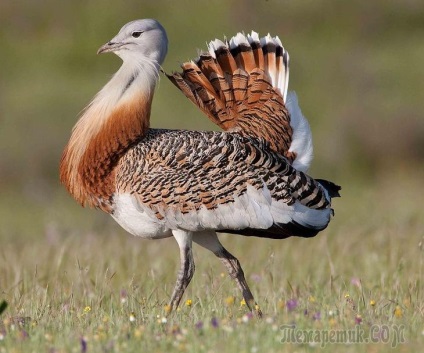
(247, 317)
(372, 302)
(356, 282)
(175, 330)
(291, 304)
(256, 277)
(316, 316)
(199, 325)
(168, 308)
(230, 301)
(188, 302)
(132, 317)
(347, 295)
(281, 304)
(124, 296)
(358, 319)
(242, 303)
(164, 320)
(87, 309)
(269, 320)
(214, 322)
(311, 299)
(398, 311)
(23, 334)
(83, 342)
(138, 332)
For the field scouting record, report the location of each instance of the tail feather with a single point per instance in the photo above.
(282, 57)
(242, 86)
(255, 43)
(269, 49)
(242, 52)
(223, 56)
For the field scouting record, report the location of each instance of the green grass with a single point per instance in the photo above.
(79, 283)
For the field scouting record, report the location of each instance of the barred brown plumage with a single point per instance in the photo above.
(250, 179)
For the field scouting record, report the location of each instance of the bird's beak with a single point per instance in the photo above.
(108, 47)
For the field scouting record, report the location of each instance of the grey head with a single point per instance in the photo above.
(138, 40)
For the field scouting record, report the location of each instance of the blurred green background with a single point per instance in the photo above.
(357, 67)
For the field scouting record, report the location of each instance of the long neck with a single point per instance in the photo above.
(117, 117)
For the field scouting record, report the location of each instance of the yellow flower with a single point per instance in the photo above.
(230, 300)
(242, 303)
(87, 309)
(132, 317)
(281, 304)
(398, 311)
(347, 295)
(168, 308)
(372, 302)
(189, 302)
(138, 332)
(312, 299)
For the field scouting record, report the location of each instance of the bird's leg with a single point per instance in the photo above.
(184, 240)
(210, 241)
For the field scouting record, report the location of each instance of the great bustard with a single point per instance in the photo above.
(156, 183)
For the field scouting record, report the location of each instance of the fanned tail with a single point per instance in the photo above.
(241, 85)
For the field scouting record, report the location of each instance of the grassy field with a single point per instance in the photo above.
(89, 287)
(73, 281)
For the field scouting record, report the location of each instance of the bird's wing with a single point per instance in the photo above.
(242, 86)
(222, 181)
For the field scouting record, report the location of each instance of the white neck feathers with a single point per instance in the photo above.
(116, 116)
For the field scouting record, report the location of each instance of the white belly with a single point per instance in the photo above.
(137, 220)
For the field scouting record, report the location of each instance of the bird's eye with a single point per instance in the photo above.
(136, 34)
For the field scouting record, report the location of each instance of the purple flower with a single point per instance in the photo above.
(355, 281)
(256, 277)
(176, 330)
(214, 322)
(23, 334)
(316, 316)
(358, 319)
(199, 325)
(291, 304)
(83, 345)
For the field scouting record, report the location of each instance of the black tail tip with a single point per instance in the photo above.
(333, 189)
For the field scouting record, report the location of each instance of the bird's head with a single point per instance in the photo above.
(138, 40)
